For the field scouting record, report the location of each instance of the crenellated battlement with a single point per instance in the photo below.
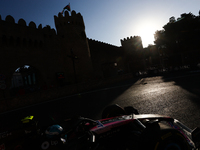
(75, 19)
(23, 35)
(21, 22)
(9, 28)
(100, 42)
(131, 38)
(136, 40)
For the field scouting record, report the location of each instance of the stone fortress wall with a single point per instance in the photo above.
(45, 49)
(82, 62)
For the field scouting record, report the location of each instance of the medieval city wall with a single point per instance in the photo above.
(83, 62)
(27, 45)
(107, 59)
(48, 51)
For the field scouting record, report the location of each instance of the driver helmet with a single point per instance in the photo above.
(27, 119)
(53, 131)
(29, 124)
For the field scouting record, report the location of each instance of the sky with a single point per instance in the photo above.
(106, 21)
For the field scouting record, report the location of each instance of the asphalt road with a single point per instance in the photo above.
(175, 96)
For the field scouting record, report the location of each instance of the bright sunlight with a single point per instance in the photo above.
(147, 35)
(146, 31)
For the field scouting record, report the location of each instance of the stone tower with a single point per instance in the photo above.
(74, 45)
(133, 55)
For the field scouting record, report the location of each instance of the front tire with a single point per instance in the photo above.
(171, 139)
(174, 142)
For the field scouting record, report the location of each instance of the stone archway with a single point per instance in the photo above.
(24, 80)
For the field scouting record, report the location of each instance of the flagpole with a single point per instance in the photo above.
(70, 9)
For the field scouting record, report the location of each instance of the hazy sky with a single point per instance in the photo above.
(105, 20)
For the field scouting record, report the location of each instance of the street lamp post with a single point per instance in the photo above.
(73, 57)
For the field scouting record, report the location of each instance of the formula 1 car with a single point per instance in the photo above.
(126, 129)
(119, 129)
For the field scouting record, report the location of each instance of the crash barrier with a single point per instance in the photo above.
(57, 92)
(154, 71)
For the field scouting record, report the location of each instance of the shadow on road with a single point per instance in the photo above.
(91, 104)
(189, 82)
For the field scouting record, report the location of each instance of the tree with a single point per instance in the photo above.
(180, 38)
(189, 15)
(172, 19)
(160, 39)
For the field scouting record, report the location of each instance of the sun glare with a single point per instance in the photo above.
(146, 32)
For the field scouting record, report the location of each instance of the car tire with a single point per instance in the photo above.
(175, 142)
(171, 139)
(160, 136)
